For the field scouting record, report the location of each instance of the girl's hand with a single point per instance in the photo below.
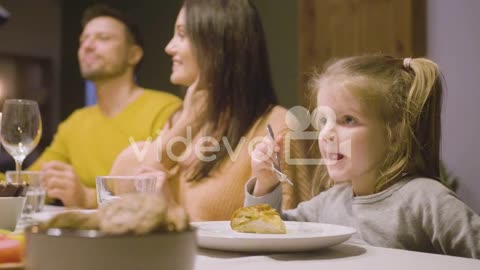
(263, 156)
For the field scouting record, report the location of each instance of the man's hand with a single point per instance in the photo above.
(62, 183)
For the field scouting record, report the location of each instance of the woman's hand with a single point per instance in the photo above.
(194, 106)
(162, 186)
(186, 124)
(263, 157)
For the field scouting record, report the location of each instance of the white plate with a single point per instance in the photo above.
(300, 236)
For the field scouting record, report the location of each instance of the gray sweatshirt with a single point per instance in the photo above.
(417, 214)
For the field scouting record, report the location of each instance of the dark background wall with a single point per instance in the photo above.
(33, 32)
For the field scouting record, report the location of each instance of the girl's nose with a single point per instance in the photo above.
(328, 135)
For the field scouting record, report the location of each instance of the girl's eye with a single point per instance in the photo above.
(349, 120)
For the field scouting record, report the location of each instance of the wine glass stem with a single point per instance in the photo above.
(18, 168)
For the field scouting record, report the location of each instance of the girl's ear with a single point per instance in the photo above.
(135, 55)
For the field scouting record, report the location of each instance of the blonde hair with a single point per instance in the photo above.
(407, 95)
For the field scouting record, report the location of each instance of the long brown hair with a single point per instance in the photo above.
(229, 43)
(407, 95)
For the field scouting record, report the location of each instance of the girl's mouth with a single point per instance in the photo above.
(335, 156)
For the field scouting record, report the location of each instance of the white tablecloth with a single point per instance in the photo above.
(344, 256)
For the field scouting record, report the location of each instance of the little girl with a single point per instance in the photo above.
(379, 137)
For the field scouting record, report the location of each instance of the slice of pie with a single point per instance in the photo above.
(260, 218)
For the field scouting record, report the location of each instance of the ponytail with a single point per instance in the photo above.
(423, 113)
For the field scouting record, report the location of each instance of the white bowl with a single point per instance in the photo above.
(10, 211)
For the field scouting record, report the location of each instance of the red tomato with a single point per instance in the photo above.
(10, 250)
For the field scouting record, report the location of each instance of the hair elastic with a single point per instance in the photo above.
(406, 62)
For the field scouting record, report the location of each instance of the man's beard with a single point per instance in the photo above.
(102, 74)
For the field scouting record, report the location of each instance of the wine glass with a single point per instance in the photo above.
(21, 129)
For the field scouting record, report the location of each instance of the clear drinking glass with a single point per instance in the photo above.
(21, 129)
(36, 192)
(112, 187)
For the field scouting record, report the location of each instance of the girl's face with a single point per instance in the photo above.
(352, 140)
(184, 64)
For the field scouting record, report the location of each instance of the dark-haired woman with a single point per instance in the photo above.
(218, 51)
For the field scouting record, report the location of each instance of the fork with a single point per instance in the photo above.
(276, 165)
